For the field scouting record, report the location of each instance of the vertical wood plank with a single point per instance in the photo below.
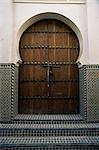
(50, 41)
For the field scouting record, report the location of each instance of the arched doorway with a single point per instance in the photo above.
(48, 75)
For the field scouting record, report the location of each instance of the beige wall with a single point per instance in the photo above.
(13, 17)
(93, 30)
(6, 30)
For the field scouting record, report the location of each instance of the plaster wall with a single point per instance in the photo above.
(6, 30)
(14, 15)
(93, 30)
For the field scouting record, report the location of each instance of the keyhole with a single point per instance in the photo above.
(51, 74)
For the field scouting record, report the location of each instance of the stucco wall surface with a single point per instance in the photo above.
(14, 15)
(93, 30)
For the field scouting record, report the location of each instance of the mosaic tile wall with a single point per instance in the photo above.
(83, 92)
(14, 91)
(89, 92)
(8, 91)
(92, 74)
(5, 92)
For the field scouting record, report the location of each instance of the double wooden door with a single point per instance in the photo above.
(48, 75)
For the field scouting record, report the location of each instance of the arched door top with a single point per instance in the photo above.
(50, 15)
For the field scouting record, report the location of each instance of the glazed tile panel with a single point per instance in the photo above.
(89, 92)
(5, 92)
(93, 93)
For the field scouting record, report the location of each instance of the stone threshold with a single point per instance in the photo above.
(47, 117)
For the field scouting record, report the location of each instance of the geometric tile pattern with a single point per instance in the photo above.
(44, 130)
(5, 92)
(14, 91)
(83, 92)
(46, 141)
(51, 118)
(51, 126)
(89, 92)
(8, 91)
(49, 132)
(62, 147)
(70, 147)
(92, 92)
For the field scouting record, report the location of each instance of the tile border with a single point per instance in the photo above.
(84, 72)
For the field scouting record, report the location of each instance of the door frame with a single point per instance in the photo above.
(71, 98)
(68, 22)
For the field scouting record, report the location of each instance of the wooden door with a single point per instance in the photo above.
(48, 75)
